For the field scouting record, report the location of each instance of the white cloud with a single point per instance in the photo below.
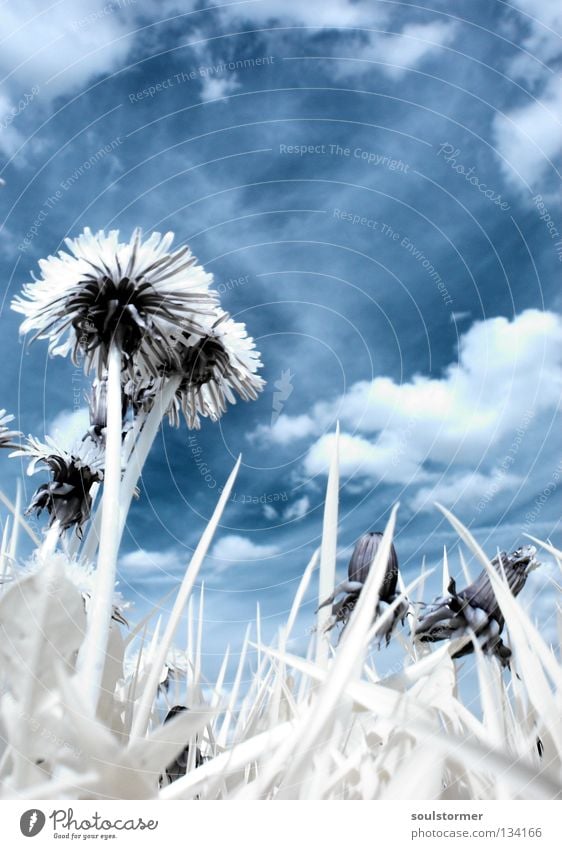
(398, 52)
(270, 512)
(69, 426)
(298, 509)
(507, 373)
(70, 41)
(542, 21)
(10, 138)
(380, 460)
(285, 430)
(234, 548)
(142, 560)
(214, 88)
(57, 50)
(463, 489)
(317, 14)
(530, 137)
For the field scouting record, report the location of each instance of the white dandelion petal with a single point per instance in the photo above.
(67, 497)
(102, 291)
(215, 367)
(8, 437)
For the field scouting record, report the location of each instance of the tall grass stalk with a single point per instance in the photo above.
(294, 725)
(328, 552)
(143, 711)
(142, 446)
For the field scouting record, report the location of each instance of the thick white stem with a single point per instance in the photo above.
(74, 543)
(49, 544)
(142, 447)
(328, 550)
(134, 467)
(93, 654)
(90, 544)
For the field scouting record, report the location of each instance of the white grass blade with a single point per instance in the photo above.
(235, 759)
(199, 643)
(446, 573)
(14, 539)
(20, 519)
(4, 556)
(346, 667)
(258, 641)
(528, 645)
(403, 596)
(465, 569)
(220, 680)
(328, 551)
(143, 711)
(299, 595)
(159, 749)
(223, 734)
(556, 553)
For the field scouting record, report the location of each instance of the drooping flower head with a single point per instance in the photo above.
(103, 291)
(359, 565)
(475, 609)
(214, 369)
(67, 497)
(7, 436)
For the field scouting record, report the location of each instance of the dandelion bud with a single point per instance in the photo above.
(475, 609)
(361, 561)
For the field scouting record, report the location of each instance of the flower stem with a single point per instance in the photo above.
(90, 544)
(49, 544)
(142, 447)
(93, 654)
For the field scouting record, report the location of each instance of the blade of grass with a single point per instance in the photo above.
(143, 711)
(328, 552)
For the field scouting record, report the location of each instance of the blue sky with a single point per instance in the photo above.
(374, 186)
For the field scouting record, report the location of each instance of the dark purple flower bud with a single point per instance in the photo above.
(475, 609)
(67, 497)
(214, 368)
(361, 560)
(363, 556)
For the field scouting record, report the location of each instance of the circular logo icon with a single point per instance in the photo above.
(32, 822)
